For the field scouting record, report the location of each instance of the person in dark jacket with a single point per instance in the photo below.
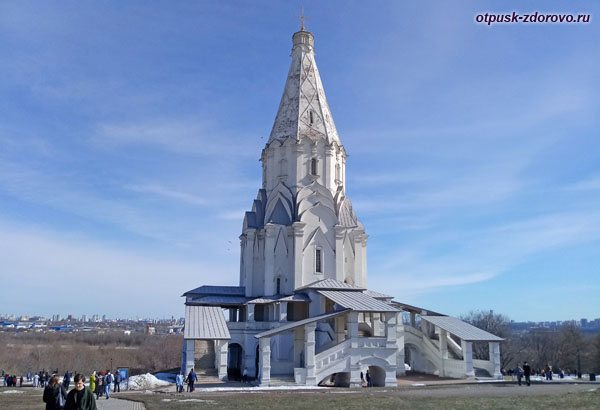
(80, 398)
(191, 379)
(527, 373)
(55, 395)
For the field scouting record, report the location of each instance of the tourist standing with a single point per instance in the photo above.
(99, 385)
(527, 373)
(117, 382)
(191, 379)
(368, 376)
(36, 380)
(80, 398)
(66, 380)
(55, 395)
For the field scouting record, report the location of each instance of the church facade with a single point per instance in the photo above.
(302, 312)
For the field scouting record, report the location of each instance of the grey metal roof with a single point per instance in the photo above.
(357, 301)
(416, 309)
(463, 330)
(298, 297)
(218, 300)
(377, 295)
(331, 284)
(293, 325)
(263, 300)
(205, 322)
(217, 290)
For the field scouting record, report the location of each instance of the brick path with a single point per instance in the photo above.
(116, 404)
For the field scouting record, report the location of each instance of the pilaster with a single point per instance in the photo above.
(221, 358)
(495, 359)
(340, 232)
(298, 244)
(309, 353)
(467, 348)
(270, 231)
(265, 361)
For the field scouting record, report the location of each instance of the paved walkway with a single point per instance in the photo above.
(117, 404)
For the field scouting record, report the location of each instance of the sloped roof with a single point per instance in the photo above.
(218, 300)
(293, 325)
(357, 301)
(377, 295)
(205, 322)
(298, 297)
(217, 290)
(463, 330)
(330, 284)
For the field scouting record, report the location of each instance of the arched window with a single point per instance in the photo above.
(313, 166)
(278, 292)
(311, 118)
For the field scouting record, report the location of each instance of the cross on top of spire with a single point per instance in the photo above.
(302, 18)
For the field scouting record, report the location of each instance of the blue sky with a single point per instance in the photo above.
(130, 134)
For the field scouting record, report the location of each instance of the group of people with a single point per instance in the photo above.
(102, 382)
(80, 397)
(365, 380)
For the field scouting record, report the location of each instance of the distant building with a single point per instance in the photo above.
(302, 308)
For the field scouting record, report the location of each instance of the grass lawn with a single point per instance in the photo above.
(438, 398)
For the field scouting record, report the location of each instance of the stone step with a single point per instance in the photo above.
(282, 380)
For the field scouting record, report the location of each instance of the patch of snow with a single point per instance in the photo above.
(146, 381)
(418, 384)
(12, 392)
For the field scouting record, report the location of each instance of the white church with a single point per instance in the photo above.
(302, 312)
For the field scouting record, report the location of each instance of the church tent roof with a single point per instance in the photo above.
(463, 330)
(205, 322)
(357, 301)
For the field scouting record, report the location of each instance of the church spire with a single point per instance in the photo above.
(303, 110)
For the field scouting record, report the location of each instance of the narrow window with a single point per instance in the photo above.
(278, 286)
(313, 166)
(318, 264)
(310, 114)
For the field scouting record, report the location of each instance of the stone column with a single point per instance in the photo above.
(283, 311)
(358, 258)
(443, 343)
(309, 353)
(495, 359)
(352, 324)
(250, 354)
(298, 266)
(376, 324)
(265, 361)
(221, 358)
(190, 352)
(250, 312)
(328, 175)
(339, 252)
(340, 332)
(299, 347)
(413, 319)
(467, 348)
(400, 370)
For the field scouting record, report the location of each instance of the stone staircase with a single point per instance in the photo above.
(282, 380)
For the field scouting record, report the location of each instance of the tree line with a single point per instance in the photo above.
(566, 348)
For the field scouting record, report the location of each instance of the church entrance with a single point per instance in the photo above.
(234, 361)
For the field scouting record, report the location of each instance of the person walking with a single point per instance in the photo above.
(36, 380)
(179, 382)
(108, 379)
(67, 380)
(527, 373)
(519, 374)
(368, 377)
(81, 397)
(192, 378)
(99, 385)
(55, 395)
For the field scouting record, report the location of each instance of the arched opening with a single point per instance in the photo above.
(234, 361)
(377, 375)
(341, 379)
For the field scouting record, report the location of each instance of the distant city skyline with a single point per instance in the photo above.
(130, 134)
